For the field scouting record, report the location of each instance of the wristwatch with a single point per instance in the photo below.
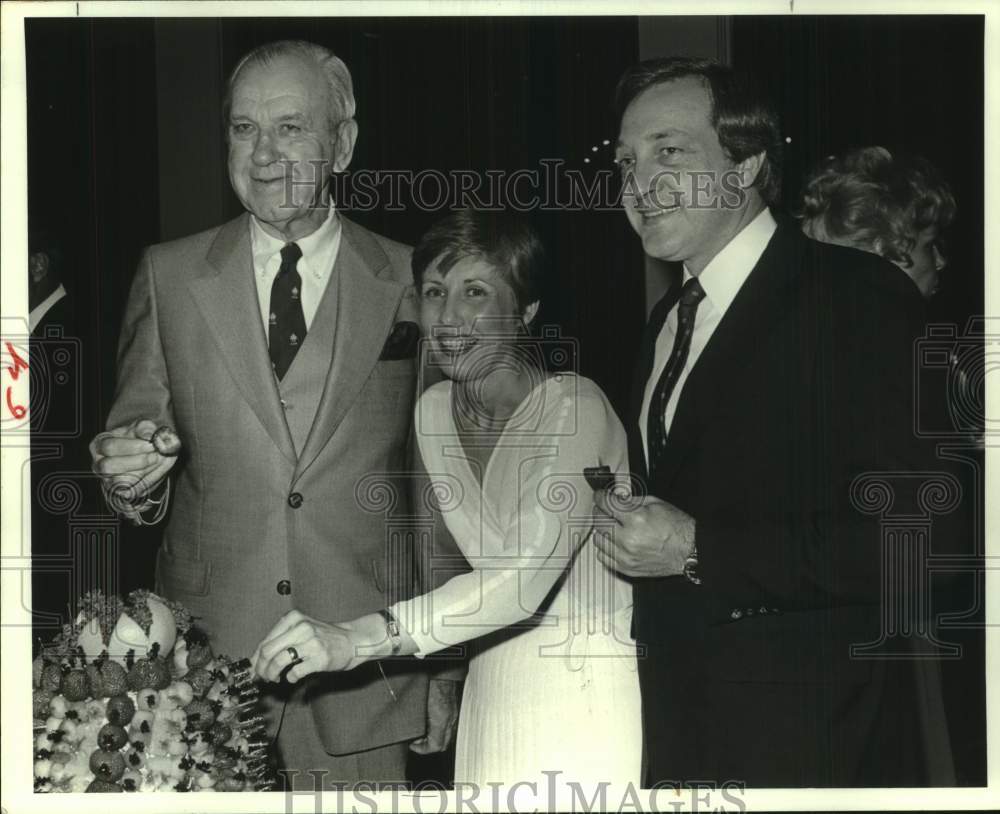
(691, 567)
(392, 631)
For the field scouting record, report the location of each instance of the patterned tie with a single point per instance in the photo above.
(656, 425)
(286, 325)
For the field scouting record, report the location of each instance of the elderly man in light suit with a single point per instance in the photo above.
(281, 346)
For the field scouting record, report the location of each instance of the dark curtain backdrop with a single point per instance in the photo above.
(125, 150)
(92, 171)
(92, 185)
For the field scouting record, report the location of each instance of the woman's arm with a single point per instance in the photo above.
(501, 590)
(553, 521)
(498, 592)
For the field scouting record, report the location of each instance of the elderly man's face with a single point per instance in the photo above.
(282, 146)
(682, 193)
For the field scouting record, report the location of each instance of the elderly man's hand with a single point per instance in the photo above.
(128, 462)
(641, 537)
(309, 645)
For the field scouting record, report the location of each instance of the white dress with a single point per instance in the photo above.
(551, 696)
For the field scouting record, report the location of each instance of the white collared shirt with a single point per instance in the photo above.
(721, 280)
(315, 267)
(39, 311)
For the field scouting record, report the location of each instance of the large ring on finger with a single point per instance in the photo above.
(293, 654)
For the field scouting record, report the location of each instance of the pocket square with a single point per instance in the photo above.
(402, 342)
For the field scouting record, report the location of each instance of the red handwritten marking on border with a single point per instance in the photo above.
(19, 363)
(19, 411)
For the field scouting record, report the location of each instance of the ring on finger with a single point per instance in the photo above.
(293, 654)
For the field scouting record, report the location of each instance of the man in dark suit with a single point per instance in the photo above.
(778, 372)
(281, 347)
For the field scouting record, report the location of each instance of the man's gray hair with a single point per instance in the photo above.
(338, 77)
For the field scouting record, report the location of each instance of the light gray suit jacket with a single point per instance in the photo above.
(193, 354)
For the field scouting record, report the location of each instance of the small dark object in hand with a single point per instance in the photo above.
(166, 441)
(599, 477)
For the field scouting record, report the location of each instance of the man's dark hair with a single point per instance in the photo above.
(745, 122)
(507, 242)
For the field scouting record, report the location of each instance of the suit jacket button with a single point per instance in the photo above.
(295, 500)
(735, 614)
(284, 587)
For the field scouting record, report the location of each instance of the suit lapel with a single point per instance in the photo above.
(753, 313)
(226, 295)
(366, 306)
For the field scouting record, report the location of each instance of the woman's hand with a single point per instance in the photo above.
(319, 646)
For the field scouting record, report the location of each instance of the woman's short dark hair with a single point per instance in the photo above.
(507, 242)
(743, 119)
(869, 196)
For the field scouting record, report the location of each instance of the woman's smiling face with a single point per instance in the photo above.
(471, 316)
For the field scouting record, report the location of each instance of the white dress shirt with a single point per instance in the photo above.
(721, 280)
(39, 311)
(315, 267)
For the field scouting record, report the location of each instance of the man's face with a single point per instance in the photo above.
(682, 193)
(280, 132)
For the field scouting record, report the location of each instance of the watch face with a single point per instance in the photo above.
(392, 630)
(691, 568)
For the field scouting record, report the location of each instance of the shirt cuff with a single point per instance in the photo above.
(408, 614)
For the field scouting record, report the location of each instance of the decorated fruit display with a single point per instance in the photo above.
(132, 698)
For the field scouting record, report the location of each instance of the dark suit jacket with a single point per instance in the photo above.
(805, 384)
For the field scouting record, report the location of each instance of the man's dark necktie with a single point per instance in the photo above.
(656, 424)
(286, 325)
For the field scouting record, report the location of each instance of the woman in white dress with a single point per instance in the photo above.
(552, 695)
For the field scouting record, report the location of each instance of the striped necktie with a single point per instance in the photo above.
(656, 426)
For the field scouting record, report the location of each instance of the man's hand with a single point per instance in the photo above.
(647, 537)
(309, 645)
(128, 462)
(442, 717)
